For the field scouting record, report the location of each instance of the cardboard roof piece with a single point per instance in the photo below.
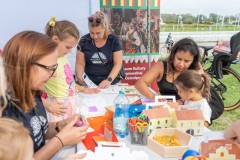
(185, 114)
(157, 113)
(207, 148)
(104, 134)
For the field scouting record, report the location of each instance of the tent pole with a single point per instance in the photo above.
(148, 33)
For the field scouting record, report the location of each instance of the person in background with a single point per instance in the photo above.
(184, 56)
(233, 132)
(59, 96)
(194, 90)
(30, 60)
(99, 53)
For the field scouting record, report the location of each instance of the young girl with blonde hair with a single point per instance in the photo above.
(16, 143)
(59, 95)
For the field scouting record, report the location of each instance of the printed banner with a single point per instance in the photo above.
(132, 4)
(128, 20)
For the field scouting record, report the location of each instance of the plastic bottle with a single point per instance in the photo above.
(120, 119)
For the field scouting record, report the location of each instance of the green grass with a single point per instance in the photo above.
(196, 28)
(228, 116)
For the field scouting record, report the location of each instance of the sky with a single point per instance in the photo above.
(205, 7)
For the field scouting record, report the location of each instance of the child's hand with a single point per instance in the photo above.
(180, 102)
(90, 90)
(87, 90)
(56, 108)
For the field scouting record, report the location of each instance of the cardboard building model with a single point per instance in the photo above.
(189, 121)
(158, 118)
(220, 150)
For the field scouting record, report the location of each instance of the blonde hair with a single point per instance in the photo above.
(3, 85)
(13, 138)
(93, 22)
(19, 53)
(62, 29)
(192, 79)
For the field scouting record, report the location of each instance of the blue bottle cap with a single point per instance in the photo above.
(121, 92)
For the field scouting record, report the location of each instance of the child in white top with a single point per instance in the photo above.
(194, 89)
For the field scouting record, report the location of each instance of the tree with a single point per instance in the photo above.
(213, 17)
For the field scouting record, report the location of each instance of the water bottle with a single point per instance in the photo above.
(120, 119)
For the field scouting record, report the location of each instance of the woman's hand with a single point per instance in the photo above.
(233, 132)
(81, 80)
(104, 84)
(71, 134)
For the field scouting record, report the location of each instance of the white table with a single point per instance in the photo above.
(104, 99)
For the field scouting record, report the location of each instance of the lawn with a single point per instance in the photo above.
(228, 116)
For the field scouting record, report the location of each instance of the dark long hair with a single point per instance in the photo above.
(192, 79)
(186, 45)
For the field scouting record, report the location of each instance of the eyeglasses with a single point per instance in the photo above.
(97, 20)
(50, 68)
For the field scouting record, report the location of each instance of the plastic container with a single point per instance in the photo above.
(120, 118)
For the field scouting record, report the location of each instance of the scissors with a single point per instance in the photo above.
(132, 124)
(141, 126)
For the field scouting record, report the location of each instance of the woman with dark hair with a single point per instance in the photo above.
(184, 56)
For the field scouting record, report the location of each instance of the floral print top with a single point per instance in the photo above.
(63, 84)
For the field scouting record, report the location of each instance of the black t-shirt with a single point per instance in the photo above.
(165, 87)
(35, 121)
(94, 68)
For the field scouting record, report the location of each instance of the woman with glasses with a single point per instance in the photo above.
(59, 96)
(99, 53)
(30, 60)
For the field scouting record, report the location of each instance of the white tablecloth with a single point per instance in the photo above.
(103, 99)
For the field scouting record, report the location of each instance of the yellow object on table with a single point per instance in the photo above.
(167, 140)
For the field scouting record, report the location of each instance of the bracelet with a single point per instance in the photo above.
(59, 140)
(57, 128)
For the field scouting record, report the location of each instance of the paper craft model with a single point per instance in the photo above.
(189, 121)
(104, 134)
(112, 151)
(158, 118)
(220, 150)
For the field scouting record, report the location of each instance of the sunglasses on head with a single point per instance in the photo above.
(97, 20)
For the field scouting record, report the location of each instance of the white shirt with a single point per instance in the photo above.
(202, 105)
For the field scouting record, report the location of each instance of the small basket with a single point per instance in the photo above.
(138, 134)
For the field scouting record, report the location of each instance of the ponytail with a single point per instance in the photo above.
(205, 86)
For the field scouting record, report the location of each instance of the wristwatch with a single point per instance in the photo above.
(109, 79)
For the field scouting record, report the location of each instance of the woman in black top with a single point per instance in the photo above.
(99, 53)
(184, 55)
